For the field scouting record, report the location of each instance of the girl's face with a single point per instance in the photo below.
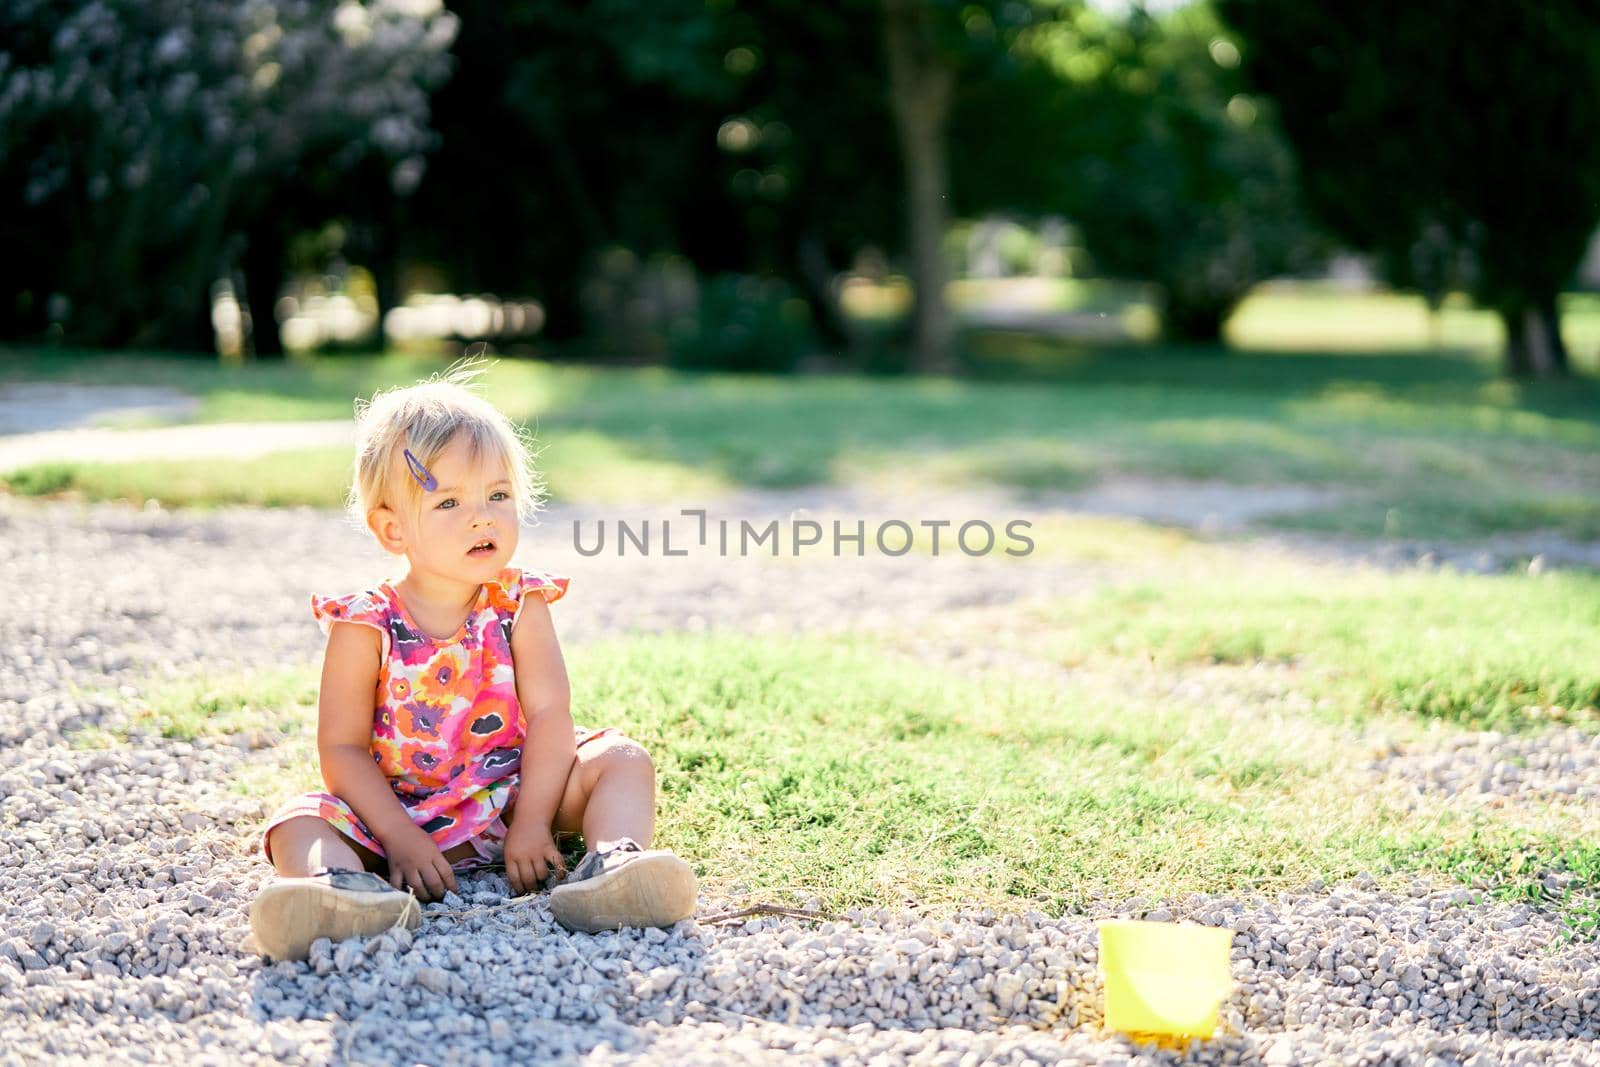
(467, 528)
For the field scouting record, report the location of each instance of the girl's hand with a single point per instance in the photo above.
(416, 863)
(531, 854)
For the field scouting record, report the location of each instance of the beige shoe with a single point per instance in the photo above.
(625, 886)
(290, 913)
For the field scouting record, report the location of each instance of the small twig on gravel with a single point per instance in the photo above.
(344, 1046)
(769, 909)
(792, 1022)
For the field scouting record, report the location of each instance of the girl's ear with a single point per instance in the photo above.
(386, 527)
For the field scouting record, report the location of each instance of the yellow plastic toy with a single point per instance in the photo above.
(1164, 978)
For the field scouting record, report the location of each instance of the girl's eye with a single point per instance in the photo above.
(448, 502)
(500, 494)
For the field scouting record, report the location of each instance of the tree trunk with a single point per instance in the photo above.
(561, 297)
(1193, 321)
(1534, 346)
(1549, 316)
(191, 330)
(921, 81)
(386, 280)
(386, 258)
(186, 324)
(816, 274)
(262, 264)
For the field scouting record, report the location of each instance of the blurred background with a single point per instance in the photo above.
(888, 186)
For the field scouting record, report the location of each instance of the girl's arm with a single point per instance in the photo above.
(345, 707)
(550, 748)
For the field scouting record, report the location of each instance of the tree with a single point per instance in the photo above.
(146, 139)
(808, 163)
(683, 127)
(936, 51)
(691, 128)
(1487, 143)
(1136, 127)
(922, 80)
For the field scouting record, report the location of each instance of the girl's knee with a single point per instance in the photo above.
(613, 754)
(617, 753)
(302, 833)
(300, 827)
(625, 750)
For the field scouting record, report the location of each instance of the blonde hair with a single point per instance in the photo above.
(425, 418)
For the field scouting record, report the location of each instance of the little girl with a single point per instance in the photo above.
(443, 728)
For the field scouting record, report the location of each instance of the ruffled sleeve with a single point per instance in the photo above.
(550, 586)
(368, 609)
(512, 588)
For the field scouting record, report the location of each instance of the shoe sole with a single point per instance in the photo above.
(655, 889)
(290, 913)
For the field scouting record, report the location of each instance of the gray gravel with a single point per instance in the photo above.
(1557, 765)
(125, 875)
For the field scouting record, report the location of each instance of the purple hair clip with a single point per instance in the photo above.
(420, 473)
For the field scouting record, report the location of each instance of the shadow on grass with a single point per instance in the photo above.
(1034, 413)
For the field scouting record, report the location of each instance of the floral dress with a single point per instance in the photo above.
(447, 729)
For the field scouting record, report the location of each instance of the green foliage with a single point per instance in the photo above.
(744, 324)
(1138, 129)
(700, 130)
(1488, 148)
(138, 138)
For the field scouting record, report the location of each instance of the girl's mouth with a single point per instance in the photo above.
(482, 548)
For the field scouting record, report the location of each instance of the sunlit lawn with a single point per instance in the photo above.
(1430, 444)
(1295, 317)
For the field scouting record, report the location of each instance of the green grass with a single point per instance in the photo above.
(1428, 512)
(315, 477)
(281, 700)
(578, 467)
(1323, 387)
(907, 784)
(1477, 651)
(846, 771)
(911, 784)
(1324, 317)
(1435, 445)
(1513, 867)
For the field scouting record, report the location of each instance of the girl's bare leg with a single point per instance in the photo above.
(622, 800)
(306, 842)
(288, 915)
(611, 794)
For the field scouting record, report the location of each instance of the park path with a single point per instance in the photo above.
(55, 422)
